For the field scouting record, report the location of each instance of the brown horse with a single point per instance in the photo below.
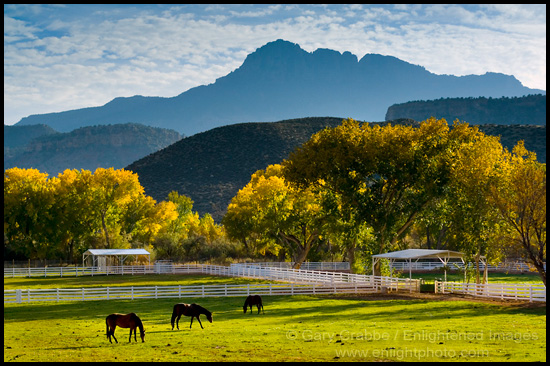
(253, 300)
(131, 321)
(192, 310)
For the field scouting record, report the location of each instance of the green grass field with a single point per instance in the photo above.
(293, 328)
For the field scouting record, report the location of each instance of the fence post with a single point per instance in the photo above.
(18, 296)
(530, 293)
(82, 293)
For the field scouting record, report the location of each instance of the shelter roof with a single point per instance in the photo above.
(116, 252)
(420, 253)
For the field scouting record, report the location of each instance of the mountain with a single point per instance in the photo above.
(16, 138)
(528, 110)
(84, 148)
(212, 166)
(280, 81)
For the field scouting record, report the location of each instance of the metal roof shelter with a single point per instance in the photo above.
(99, 256)
(416, 254)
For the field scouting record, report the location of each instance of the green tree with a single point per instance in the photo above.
(475, 229)
(519, 194)
(271, 216)
(385, 175)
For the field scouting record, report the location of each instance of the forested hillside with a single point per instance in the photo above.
(85, 148)
(212, 166)
(527, 110)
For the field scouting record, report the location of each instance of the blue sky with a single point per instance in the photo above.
(61, 57)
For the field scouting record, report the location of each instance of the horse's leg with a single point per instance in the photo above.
(113, 333)
(199, 319)
(178, 322)
(130, 339)
(191, 322)
(108, 333)
(258, 305)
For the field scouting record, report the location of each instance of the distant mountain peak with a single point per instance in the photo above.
(282, 81)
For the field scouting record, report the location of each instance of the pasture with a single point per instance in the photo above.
(293, 328)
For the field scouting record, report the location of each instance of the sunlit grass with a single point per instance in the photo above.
(293, 328)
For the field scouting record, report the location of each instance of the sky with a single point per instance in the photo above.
(63, 57)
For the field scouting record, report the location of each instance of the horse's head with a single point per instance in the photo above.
(245, 307)
(142, 334)
(209, 317)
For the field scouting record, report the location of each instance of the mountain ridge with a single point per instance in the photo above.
(87, 147)
(281, 81)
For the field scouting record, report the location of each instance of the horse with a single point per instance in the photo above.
(131, 321)
(192, 310)
(253, 300)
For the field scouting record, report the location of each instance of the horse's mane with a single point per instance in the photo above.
(138, 321)
(201, 309)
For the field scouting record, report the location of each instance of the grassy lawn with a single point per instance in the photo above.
(293, 328)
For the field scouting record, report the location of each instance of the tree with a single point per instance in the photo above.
(519, 194)
(27, 199)
(475, 229)
(111, 191)
(385, 175)
(270, 215)
(73, 221)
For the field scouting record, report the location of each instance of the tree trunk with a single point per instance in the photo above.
(351, 256)
(108, 243)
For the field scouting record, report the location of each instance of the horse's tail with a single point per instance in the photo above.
(107, 324)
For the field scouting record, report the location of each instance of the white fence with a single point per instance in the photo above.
(158, 292)
(309, 266)
(167, 268)
(504, 291)
(302, 282)
(431, 265)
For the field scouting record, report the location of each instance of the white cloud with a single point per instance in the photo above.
(79, 56)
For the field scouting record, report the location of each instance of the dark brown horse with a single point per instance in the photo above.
(192, 310)
(253, 300)
(131, 321)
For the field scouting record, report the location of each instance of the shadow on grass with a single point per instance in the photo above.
(291, 308)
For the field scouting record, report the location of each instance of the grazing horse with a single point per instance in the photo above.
(192, 310)
(253, 300)
(131, 321)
